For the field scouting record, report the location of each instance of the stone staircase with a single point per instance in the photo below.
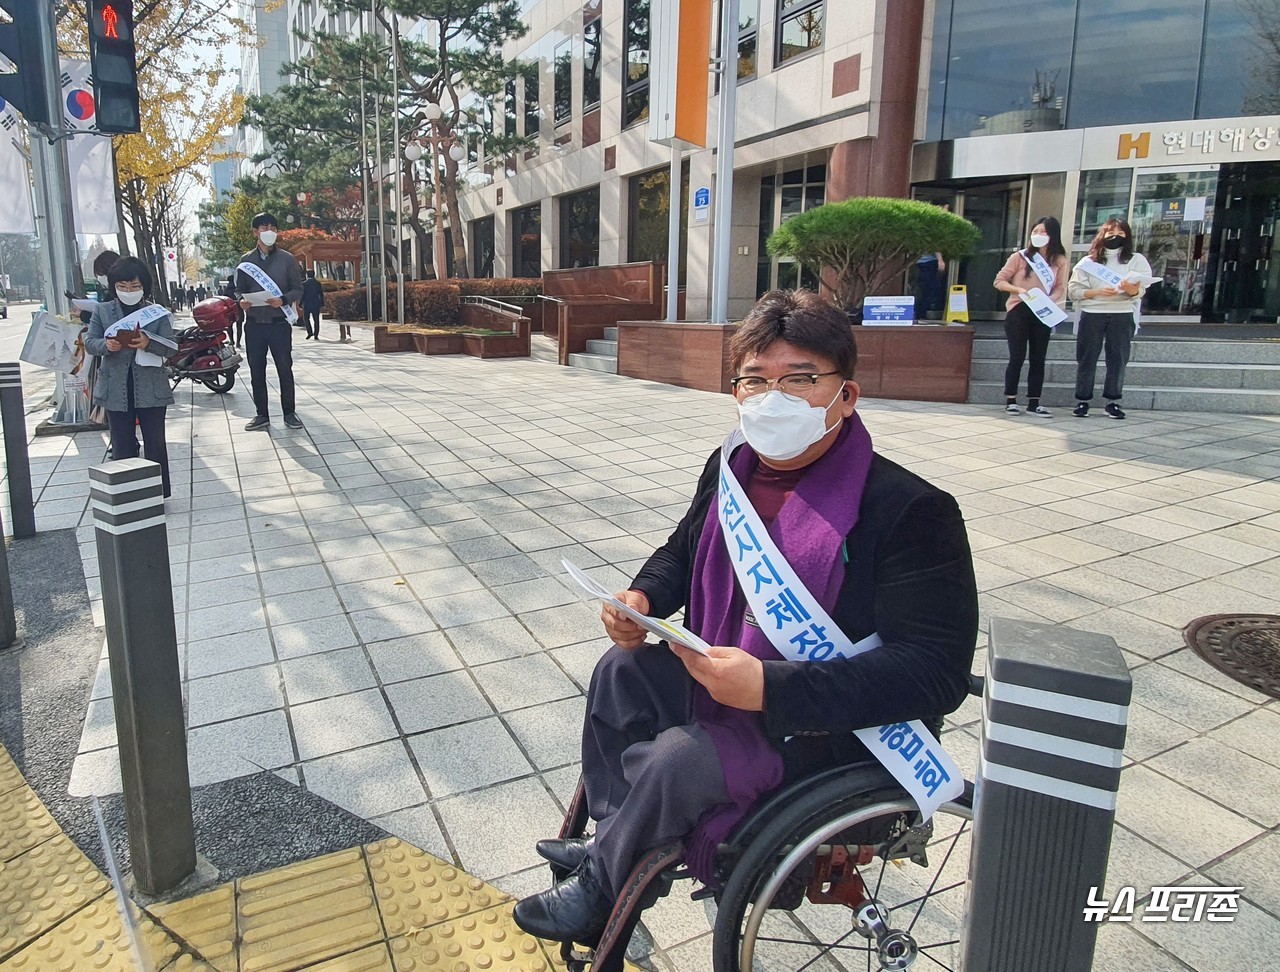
(1166, 374)
(600, 355)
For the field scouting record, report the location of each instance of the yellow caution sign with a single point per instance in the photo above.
(957, 305)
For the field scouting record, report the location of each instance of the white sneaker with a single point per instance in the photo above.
(1039, 410)
(1012, 408)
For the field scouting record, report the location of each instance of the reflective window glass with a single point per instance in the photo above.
(532, 106)
(580, 229)
(1115, 81)
(1240, 70)
(526, 241)
(938, 61)
(648, 212)
(1104, 194)
(563, 93)
(591, 65)
(800, 25)
(482, 246)
(1009, 66)
(509, 103)
(635, 67)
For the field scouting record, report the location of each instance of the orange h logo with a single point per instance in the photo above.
(1134, 146)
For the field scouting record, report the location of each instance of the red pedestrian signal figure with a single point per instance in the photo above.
(109, 20)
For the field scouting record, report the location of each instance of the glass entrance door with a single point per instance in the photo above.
(1173, 218)
(997, 211)
(1243, 277)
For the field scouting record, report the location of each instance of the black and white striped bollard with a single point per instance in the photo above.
(1055, 712)
(142, 643)
(22, 509)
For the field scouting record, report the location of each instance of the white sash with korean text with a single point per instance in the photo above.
(141, 319)
(1042, 270)
(800, 628)
(266, 283)
(1113, 280)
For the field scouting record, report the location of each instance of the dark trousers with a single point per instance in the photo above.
(1024, 332)
(124, 441)
(1094, 332)
(277, 338)
(311, 318)
(649, 774)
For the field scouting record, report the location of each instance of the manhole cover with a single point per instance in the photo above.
(1245, 647)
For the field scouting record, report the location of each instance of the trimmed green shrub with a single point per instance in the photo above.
(431, 303)
(857, 246)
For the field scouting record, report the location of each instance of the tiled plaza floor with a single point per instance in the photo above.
(374, 607)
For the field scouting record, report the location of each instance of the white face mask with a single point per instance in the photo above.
(781, 426)
(129, 297)
(102, 280)
(1039, 239)
(267, 237)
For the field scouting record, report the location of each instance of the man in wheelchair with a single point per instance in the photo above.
(837, 587)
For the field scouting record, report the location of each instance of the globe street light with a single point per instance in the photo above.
(457, 152)
(413, 151)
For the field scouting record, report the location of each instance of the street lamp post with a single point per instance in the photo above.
(413, 151)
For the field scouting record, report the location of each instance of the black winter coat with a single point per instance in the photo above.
(909, 578)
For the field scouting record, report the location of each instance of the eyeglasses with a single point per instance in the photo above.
(801, 386)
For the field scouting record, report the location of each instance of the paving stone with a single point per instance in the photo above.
(392, 621)
(312, 637)
(239, 747)
(411, 657)
(417, 826)
(213, 656)
(344, 722)
(494, 640)
(1184, 699)
(490, 845)
(440, 700)
(551, 734)
(448, 760)
(233, 694)
(559, 626)
(522, 682)
(325, 675)
(368, 782)
(1206, 766)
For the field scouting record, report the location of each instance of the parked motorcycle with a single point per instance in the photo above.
(205, 352)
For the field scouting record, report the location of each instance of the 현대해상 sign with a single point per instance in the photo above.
(889, 310)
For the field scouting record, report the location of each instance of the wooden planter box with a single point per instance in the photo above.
(387, 342)
(915, 362)
(438, 343)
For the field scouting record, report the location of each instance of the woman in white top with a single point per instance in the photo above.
(1109, 310)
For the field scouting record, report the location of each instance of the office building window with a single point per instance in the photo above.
(482, 246)
(591, 69)
(580, 229)
(526, 241)
(563, 87)
(648, 212)
(799, 28)
(532, 104)
(748, 36)
(509, 104)
(635, 65)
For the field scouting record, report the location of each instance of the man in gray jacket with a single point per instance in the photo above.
(267, 326)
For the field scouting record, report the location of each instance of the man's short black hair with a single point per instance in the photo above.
(311, 275)
(264, 219)
(104, 261)
(799, 317)
(130, 268)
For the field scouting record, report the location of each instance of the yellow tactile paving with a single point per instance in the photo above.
(24, 822)
(305, 913)
(94, 939)
(41, 887)
(207, 922)
(485, 942)
(416, 890)
(373, 959)
(10, 776)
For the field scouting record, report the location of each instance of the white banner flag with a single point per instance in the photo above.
(15, 178)
(88, 156)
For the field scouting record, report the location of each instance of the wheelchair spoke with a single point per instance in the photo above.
(935, 961)
(954, 941)
(925, 897)
(813, 944)
(941, 867)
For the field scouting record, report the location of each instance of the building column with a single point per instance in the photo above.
(881, 165)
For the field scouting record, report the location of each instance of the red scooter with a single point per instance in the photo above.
(205, 352)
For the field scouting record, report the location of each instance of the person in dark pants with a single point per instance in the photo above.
(1042, 265)
(1107, 286)
(312, 304)
(191, 297)
(680, 745)
(201, 294)
(132, 394)
(267, 326)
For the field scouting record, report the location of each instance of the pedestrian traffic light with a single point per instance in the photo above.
(115, 66)
(20, 43)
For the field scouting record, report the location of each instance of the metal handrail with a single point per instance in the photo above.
(480, 299)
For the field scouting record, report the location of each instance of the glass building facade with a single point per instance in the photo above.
(999, 68)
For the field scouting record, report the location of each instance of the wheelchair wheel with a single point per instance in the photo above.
(845, 882)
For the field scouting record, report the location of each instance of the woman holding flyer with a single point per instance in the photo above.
(132, 336)
(1107, 286)
(1041, 265)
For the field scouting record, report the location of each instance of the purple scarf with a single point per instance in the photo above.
(810, 531)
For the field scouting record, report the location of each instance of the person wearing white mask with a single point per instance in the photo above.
(1107, 286)
(679, 745)
(268, 268)
(134, 395)
(1041, 265)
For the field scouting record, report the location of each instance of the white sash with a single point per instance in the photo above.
(266, 283)
(139, 320)
(1042, 269)
(800, 628)
(1113, 280)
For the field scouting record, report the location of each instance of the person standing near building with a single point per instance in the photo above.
(191, 296)
(201, 294)
(1042, 265)
(133, 393)
(312, 304)
(267, 268)
(1107, 286)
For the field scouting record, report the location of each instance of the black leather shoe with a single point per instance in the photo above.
(566, 853)
(293, 421)
(574, 910)
(259, 422)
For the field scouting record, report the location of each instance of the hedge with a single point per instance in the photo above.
(433, 303)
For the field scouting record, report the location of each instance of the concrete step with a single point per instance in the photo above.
(1250, 401)
(611, 334)
(1155, 374)
(595, 362)
(608, 348)
(1224, 353)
